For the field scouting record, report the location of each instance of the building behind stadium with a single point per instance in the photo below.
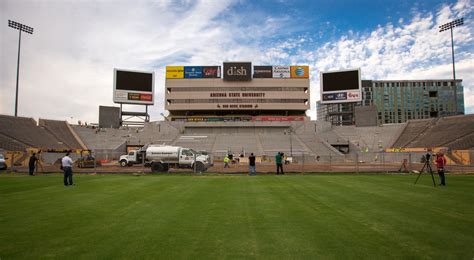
(243, 93)
(396, 101)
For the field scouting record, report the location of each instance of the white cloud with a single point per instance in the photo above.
(410, 50)
(67, 64)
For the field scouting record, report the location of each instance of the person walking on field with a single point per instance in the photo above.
(32, 163)
(252, 167)
(278, 159)
(66, 163)
(226, 162)
(440, 164)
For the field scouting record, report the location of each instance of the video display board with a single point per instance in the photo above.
(133, 87)
(340, 86)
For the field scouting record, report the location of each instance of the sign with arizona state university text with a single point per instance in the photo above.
(237, 71)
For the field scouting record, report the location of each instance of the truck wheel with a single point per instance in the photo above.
(123, 163)
(157, 167)
(200, 167)
(166, 167)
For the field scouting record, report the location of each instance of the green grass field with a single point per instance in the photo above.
(219, 216)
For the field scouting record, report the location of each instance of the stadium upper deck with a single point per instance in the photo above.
(198, 93)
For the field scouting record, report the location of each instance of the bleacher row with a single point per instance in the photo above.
(454, 132)
(261, 144)
(18, 133)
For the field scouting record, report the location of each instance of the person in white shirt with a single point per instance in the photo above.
(66, 163)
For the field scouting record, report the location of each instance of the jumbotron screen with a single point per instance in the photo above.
(133, 87)
(340, 80)
(137, 81)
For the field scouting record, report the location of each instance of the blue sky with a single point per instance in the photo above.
(77, 44)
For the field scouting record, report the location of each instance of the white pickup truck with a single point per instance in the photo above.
(162, 157)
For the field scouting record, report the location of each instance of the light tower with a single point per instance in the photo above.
(20, 27)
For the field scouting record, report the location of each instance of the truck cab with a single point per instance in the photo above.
(132, 157)
(186, 157)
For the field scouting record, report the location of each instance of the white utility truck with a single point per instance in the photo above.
(162, 157)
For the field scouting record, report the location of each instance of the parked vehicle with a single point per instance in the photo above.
(161, 158)
(3, 163)
(87, 162)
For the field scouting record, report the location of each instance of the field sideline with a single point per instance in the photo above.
(236, 216)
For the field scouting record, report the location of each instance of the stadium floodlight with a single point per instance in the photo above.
(445, 27)
(21, 28)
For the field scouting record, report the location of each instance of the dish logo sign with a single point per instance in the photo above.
(353, 95)
(237, 71)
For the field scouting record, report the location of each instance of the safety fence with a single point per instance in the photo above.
(297, 162)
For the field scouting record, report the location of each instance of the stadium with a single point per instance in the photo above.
(348, 190)
(239, 115)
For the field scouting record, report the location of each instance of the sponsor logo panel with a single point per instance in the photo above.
(211, 71)
(262, 71)
(281, 72)
(192, 72)
(174, 72)
(133, 96)
(300, 72)
(335, 96)
(354, 95)
(145, 97)
(278, 118)
(237, 71)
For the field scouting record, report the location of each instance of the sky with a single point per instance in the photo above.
(66, 66)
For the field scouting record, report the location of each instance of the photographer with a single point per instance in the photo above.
(440, 164)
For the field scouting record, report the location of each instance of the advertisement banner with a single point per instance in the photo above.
(237, 71)
(211, 71)
(281, 71)
(122, 96)
(191, 72)
(174, 72)
(278, 118)
(262, 71)
(300, 72)
(335, 96)
(354, 96)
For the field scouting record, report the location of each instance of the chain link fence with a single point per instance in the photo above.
(107, 161)
(360, 162)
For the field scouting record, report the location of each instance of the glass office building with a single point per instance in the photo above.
(397, 101)
(400, 100)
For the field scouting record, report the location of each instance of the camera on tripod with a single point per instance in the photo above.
(426, 159)
(428, 156)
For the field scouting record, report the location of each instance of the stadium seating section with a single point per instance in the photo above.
(456, 132)
(26, 132)
(311, 138)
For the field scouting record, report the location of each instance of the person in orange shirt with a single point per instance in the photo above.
(440, 164)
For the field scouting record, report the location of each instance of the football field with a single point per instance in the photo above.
(331, 216)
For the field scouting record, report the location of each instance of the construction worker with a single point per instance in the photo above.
(226, 162)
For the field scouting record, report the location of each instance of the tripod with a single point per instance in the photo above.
(426, 167)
